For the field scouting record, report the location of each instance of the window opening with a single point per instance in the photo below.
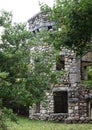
(86, 71)
(37, 30)
(91, 109)
(60, 102)
(60, 62)
(37, 108)
(49, 27)
(34, 32)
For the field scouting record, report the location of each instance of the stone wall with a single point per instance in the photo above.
(78, 98)
(40, 21)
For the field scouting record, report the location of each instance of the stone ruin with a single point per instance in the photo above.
(68, 102)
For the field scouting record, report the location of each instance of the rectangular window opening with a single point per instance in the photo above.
(37, 108)
(60, 102)
(60, 62)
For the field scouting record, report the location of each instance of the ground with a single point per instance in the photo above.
(26, 124)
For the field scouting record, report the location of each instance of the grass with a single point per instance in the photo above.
(26, 124)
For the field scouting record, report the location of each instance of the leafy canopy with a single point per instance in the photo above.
(22, 82)
(74, 17)
(14, 61)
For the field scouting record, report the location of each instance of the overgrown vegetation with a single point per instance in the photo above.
(4, 115)
(88, 83)
(73, 28)
(22, 82)
(73, 19)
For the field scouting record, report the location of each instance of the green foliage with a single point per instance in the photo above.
(74, 18)
(6, 114)
(14, 66)
(43, 74)
(88, 83)
(89, 72)
(23, 83)
(14, 61)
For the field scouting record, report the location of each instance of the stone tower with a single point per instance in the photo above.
(69, 101)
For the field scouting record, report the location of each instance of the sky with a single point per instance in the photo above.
(23, 9)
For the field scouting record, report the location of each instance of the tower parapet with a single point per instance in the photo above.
(39, 21)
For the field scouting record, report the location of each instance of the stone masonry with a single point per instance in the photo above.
(69, 101)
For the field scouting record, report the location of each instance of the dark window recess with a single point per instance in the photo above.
(34, 32)
(83, 71)
(91, 110)
(37, 108)
(60, 102)
(37, 30)
(49, 27)
(37, 65)
(60, 62)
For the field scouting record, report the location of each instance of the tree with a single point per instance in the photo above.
(14, 62)
(43, 74)
(73, 27)
(74, 18)
(22, 83)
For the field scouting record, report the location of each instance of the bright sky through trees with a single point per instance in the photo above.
(23, 9)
